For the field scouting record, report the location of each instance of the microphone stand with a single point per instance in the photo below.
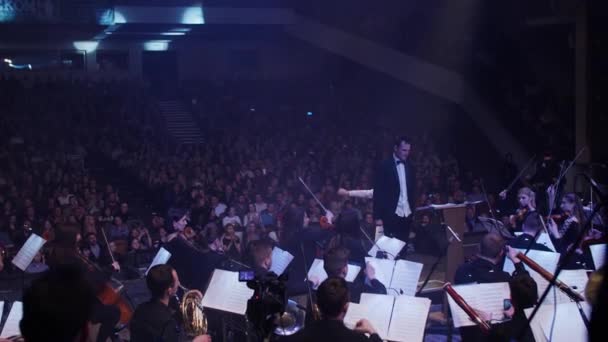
(444, 251)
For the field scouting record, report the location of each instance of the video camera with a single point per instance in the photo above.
(268, 301)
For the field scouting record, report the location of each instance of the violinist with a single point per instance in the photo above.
(526, 199)
(65, 252)
(565, 233)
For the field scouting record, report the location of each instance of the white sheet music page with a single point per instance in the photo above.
(11, 326)
(598, 253)
(485, 297)
(354, 313)
(543, 239)
(352, 272)
(405, 277)
(547, 260)
(383, 269)
(27, 253)
(1, 309)
(390, 245)
(576, 279)
(161, 258)
(569, 325)
(409, 318)
(378, 311)
(226, 293)
(280, 260)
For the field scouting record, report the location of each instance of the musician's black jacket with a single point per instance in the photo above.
(330, 330)
(154, 321)
(524, 294)
(387, 189)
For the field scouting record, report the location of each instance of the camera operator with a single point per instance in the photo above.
(333, 298)
(154, 320)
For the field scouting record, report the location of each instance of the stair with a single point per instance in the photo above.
(180, 123)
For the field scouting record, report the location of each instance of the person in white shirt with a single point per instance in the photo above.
(260, 205)
(232, 218)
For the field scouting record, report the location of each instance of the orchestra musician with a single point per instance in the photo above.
(394, 193)
(487, 268)
(565, 233)
(526, 200)
(530, 232)
(333, 297)
(65, 252)
(155, 320)
(58, 307)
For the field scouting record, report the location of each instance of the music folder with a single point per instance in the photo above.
(226, 293)
(29, 250)
(401, 318)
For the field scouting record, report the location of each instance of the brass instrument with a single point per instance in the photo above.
(193, 316)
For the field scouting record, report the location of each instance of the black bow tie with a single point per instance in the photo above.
(397, 162)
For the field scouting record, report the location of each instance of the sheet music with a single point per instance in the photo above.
(547, 260)
(405, 277)
(354, 313)
(569, 325)
(383, 269)
(543, 239)
(485, 297)
(226, 293)
(576, 279)
(161, 258)
(1, 310)
(598, 253)
(11, 326)
(378, 311)
(390, 245)
(29, 250)
(280, 260)
(317, 270)
(409, 318)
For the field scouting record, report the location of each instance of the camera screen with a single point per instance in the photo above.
(246, 275)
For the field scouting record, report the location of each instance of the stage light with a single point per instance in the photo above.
(6, 60)
(173, 33)
(157, 45)
(7, 13)
(308, 113)
(119, 18)
(193, 15)
(88, 46)
(252, 109)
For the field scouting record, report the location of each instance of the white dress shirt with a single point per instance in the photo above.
(403, 206)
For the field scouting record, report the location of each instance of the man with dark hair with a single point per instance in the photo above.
(332, 299)
(530, 227)
(57, 307)
(154, 320)
(394, 191)
(335, 263)
(487, 268)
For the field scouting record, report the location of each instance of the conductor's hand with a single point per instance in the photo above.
(365, 327)
(116, 266)
(202, 338)
(342, 192)
(503, 194)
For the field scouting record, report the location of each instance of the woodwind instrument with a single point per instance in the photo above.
(483, 325)
(577, 297)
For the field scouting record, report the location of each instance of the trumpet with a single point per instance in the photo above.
(193, 315)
